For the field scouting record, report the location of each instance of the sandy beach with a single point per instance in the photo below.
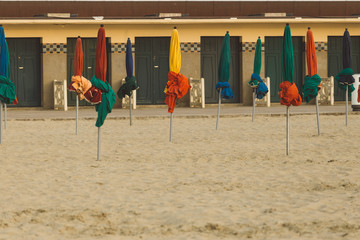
(234, 183)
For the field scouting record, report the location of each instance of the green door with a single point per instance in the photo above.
(335, 61)
(25, 70)
(273, 68)
(89, 52)
(210, 55)
(151, 68)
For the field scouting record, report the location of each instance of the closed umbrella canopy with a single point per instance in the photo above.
(312, 80)
(7, 88)
(130, 81)
(224, 69)
(289, 93)
(177, 85)
(79, 84)
(345, 78)
(98, 81)
(256, 81)
(78, 58)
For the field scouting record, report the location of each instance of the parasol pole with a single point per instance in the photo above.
(218, 113)
(171, 118)
(1, 121)
(77, 114)
(317, 113)
(5, 115)
(98, 150)
(346, 104)
(130, 109)
(287, 131)
(253, 110)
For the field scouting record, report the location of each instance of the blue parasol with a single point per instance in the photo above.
(7, 88)
(130, 81)
(344, 78)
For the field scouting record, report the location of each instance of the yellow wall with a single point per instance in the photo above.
(57, 33)
(54, 65)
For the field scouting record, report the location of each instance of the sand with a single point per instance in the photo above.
(234, 183)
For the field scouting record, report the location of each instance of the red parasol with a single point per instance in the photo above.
(78, 58)
(101, 64)
(311, 54)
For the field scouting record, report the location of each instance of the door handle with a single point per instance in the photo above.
(21, 68)
(156, 66)
(89, 67)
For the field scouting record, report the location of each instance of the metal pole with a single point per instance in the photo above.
(287, 131)
(1, 122)
(130, 110)
(218, 113)
(98, 152)
(253, 110)
(317, 114)
(171, 118)
(77, 114)
(5, 116)
(346, 104)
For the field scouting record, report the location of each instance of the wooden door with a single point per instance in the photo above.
(151, 68)
(24, 56)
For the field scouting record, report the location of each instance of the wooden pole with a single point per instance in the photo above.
(346, 104)
(253, 110)
(171, 118)
(77, 114)
(317, 114)
(287, 131)
(218, 113)
(5, 115)
(1, 122)
(130, 109)
(98, 150)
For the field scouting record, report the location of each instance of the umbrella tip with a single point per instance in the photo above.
(258, 36)
(287, 24)
(345, 29)
(78, 36)
(175, 27)
(309, 28)
(227, 31)
(102, 25)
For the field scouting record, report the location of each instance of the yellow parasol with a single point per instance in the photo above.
(178, 84)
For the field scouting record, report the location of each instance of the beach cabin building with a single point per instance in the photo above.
(41, 36)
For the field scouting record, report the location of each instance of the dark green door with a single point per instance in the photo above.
(151, 68)
(335, 61)
(25, 70)
(210, 55)
(89, 52)
(273, 68)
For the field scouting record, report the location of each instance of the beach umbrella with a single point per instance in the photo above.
(312, 80)
(7, 88)
(256, 83)
(78, 83)
(223, 86)
(130, 81)
(344, 77)
(289, 94)
(98, 81)
(177, 85)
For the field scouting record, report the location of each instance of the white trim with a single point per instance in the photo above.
(179, 21)
(178, 0)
